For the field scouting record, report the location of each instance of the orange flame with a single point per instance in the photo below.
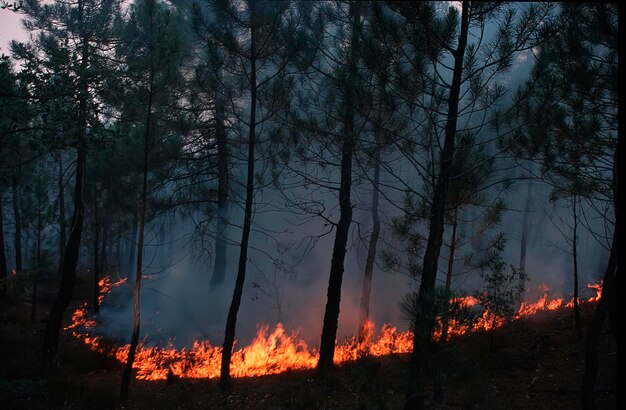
(597, 287)
(278, 351)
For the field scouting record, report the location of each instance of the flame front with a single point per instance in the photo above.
(278, 351)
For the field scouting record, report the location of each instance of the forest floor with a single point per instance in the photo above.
(535, 363)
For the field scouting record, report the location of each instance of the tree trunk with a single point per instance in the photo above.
(118, 252)
(138, 271)
(62, 227)
(608, 303)
(159, 248)
(68, 277)
(594, 329)
(444, 324)
(131, 259)
(33, 306)
(104, 264)
(72, 250)
(577, 318)
(333, 301)
(96, 264)
(223, 197)
(438, 207)
(3, 256)
(231, 321)
(525, 233)
(18, 224)
(371, 251)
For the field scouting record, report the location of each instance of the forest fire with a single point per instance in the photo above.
(106, 286)
(277, 351)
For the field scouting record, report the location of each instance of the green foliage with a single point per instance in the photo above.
(565, 116)
(472, 170)
(15, 142)
(502, 287)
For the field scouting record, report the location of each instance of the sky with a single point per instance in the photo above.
(10, 29)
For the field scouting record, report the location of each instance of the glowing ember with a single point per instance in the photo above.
(278, 351)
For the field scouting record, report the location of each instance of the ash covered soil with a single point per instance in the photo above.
(535, 363)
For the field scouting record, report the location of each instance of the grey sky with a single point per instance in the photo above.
(10, 29)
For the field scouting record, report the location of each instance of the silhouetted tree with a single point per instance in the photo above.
(74, 28)
(261, 38)
(152, 50)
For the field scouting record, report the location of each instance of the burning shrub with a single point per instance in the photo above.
(443, 313)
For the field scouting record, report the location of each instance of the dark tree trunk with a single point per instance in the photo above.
(33, 310)
(62, 227)
(524, 241)
(444, 324)
(371, 251)
(72, 250)
(104, 264)
(68, 277)
(223, 197)
(331, 315)
(608, 303)
(159, 248)
(33, 307)
(96, 262)
(3, 255)
(438, 206)
(18, 224)
(231, 321)
(128, 368)
(131, 259)
(594, 329)
(118, 252)
(577, 318)
(333, 301)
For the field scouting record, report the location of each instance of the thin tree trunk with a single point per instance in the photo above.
(444, 324)
(26, 248)
(33, 306)
(72, 250)
(223, 197)
(159, 248)
(118, 252)
(138, 272)
(231, 321)
(333, 301)
(18, 225)
(96, 264)
(104, 264)
(577, 317)
(524, 241)
(131, 259)
(371, 251)
(3, 256)
(62, 227)
(608, 303)
(423, 331)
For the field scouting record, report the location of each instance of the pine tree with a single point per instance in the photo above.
(565, 119)
(75, 30)
(261, 37)
(152, 50)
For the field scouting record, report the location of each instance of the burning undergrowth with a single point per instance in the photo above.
(276, 350)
